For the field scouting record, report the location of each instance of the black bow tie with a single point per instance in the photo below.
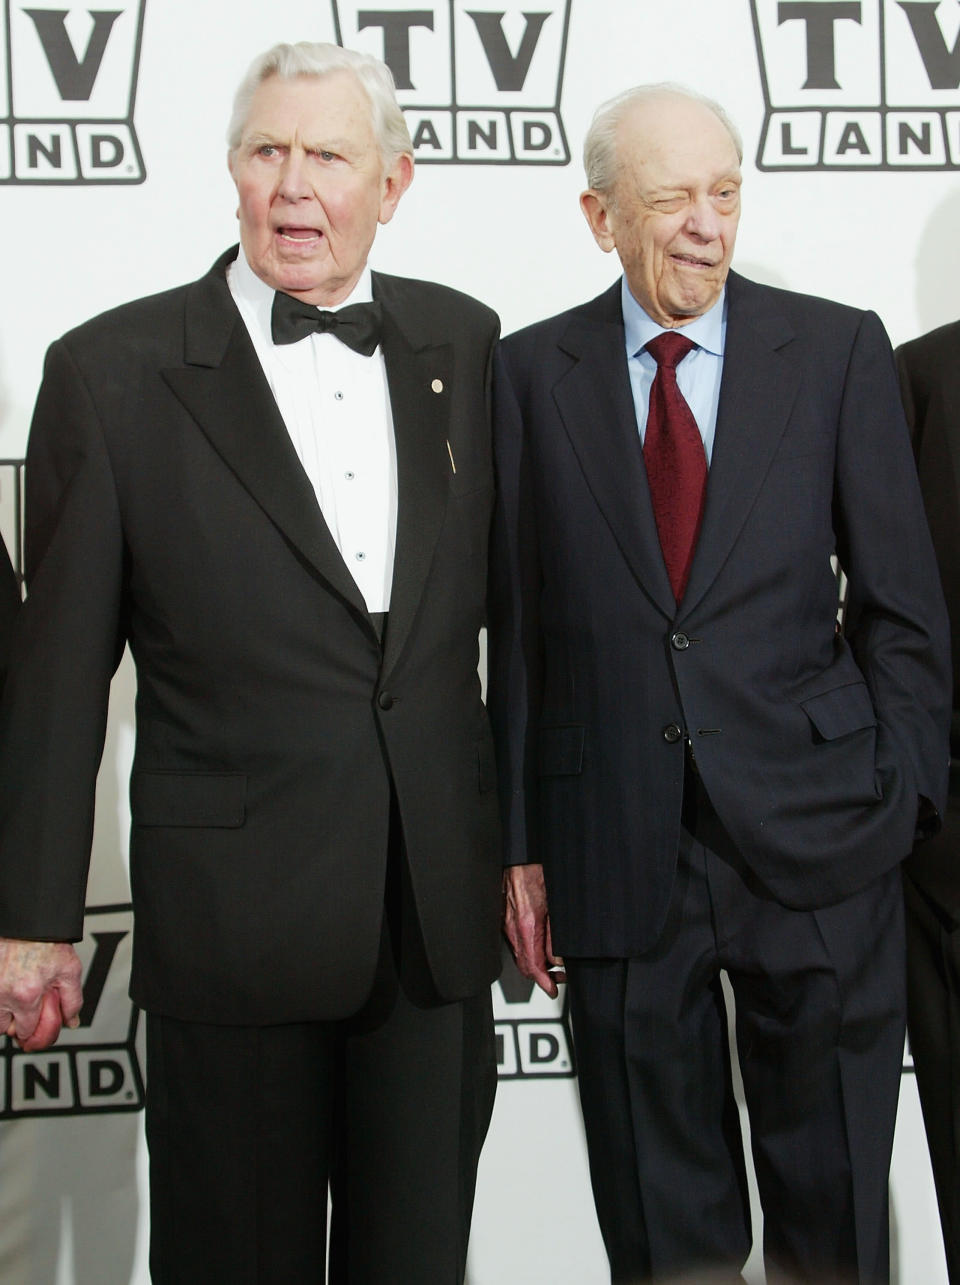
(358, 326)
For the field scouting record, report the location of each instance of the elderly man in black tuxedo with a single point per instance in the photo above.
(700, 771)
(930, 382)
(275, 484)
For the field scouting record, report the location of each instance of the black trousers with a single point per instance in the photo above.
(933, 1014)
(820, 1028)
(249, 1127)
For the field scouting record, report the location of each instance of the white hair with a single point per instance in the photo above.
(305, 59)
(600, 159)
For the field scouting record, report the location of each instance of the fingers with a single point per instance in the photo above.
(70, 993)
(39, 990)
(557, 970)
(526, 924)
(47, 1027)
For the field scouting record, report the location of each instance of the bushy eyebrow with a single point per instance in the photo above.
(262, 139)
(259, 140)
(680, 188)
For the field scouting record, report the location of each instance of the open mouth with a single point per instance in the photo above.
(299, 235)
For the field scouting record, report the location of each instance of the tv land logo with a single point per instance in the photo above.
(859, 84)
(96, 1068)
(533, 1035)
(68, 80)
(478, 83)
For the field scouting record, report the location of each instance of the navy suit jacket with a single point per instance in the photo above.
(815, 747)
(167, 508)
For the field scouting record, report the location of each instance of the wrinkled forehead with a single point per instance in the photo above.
(335, 96)
(672, 140)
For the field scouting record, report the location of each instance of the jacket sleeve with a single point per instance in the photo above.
(895, 617)
(66, 645)
(514, 647)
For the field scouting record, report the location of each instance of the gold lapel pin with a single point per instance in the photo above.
(437, 385)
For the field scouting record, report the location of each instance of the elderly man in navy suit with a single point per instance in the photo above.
(701, 771)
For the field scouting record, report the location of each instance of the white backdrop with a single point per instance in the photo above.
(114, 185)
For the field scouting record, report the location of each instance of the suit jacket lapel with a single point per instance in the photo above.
(757, 392)
(595, 402)
(414, 362)
(223, 387)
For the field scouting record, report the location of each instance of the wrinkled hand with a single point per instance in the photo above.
(39, 991)
(526, 924)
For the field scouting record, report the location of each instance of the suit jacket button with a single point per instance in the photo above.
(672, 733)
(680, 642)
(385, 700)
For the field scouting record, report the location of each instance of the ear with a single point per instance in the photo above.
(395, 182)
(596, 210)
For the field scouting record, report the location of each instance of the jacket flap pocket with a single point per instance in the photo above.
(561, 750)
(189, 798)
(841, 710)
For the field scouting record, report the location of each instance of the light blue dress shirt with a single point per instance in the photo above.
(698, 375)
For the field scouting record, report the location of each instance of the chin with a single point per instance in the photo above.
(299, 282)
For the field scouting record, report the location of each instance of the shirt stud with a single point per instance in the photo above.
(437, 385)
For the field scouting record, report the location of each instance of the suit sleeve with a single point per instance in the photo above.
(65, 649)
(514, 648)
(907, 397)
(895, 618)
(9, 604)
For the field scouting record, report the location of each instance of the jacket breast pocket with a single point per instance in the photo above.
(840, 711)
(212, 799)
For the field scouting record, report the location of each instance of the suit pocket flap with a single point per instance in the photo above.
(561, 750)
(189, 798)
(841, 710)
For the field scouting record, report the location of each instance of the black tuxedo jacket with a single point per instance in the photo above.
(166, 507)
(930, 383)
(9, 604)
(813, 747)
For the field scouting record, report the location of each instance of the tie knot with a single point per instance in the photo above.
(670, 348)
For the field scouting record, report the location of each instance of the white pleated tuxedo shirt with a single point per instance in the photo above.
(336, 406)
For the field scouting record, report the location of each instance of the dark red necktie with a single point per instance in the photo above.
(676, 463)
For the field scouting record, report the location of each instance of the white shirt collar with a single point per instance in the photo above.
(256, 296)
(707, 331)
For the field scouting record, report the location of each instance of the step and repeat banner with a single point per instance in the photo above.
(113, 184)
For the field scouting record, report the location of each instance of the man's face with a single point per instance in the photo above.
(312, 185)
(672, 215)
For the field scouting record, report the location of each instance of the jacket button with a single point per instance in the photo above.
(680, 642)
(385, 700)
(672, 733)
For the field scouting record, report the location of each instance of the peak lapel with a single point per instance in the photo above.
(757, 391)
(224, 388)
(420, 425)
(595, 402)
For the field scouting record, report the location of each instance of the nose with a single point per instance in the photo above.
(703, 221)
(293, 184)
